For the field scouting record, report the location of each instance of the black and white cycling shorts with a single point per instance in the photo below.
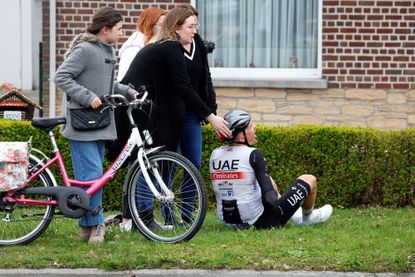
(287, 205)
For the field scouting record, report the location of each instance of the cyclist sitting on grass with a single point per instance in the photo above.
(245, 193)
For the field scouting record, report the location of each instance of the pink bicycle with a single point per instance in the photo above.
(169, 179)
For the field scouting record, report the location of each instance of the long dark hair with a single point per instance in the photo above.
(104, 17)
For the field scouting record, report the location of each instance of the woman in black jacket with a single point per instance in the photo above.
(161, 67)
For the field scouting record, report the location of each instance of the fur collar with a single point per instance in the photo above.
(81, 38)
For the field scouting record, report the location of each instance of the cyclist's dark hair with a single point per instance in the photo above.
(104, 17)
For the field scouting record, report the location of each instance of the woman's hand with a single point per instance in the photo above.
(96, 102)
(219, 124)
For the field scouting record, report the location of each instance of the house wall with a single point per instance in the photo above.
(368, 61)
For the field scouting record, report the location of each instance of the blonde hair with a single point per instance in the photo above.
(146, 21)
(174, 18)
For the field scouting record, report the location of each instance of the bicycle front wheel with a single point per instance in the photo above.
(22, 223)
(173, 219)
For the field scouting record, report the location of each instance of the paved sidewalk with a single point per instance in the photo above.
(186, 273)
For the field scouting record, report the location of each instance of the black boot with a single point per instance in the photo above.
(148, 219)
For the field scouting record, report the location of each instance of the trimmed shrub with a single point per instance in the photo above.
(355, 167)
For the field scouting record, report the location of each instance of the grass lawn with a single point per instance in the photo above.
(366, 240)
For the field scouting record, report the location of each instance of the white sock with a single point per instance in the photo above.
(307, 212)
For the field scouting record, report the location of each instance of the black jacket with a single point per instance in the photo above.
(161, 68)
(206, 91)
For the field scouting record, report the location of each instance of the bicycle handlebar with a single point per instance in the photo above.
(117, 100)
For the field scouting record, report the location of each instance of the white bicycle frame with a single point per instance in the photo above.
(135, 140)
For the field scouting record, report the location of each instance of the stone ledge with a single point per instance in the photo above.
(277, 83)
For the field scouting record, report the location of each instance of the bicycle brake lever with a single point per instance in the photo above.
(106, 107)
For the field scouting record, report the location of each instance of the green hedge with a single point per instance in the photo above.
(354, 167)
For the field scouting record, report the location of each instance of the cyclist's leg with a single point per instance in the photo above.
(287, 205)
(87, 158)
(191, 148)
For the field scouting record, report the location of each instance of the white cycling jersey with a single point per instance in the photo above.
(233, 178)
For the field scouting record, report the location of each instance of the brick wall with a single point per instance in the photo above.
(368, 60)
(369, 44)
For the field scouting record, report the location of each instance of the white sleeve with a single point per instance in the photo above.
(128, 51)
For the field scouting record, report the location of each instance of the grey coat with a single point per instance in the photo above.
(86, 73)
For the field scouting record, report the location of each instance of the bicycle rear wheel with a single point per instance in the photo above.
(22, 223)
(173, 220)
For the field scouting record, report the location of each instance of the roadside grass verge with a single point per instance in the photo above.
(365, 240)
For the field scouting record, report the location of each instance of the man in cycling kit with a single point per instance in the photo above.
(246, 194)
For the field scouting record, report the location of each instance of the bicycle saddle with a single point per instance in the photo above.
(47, 123)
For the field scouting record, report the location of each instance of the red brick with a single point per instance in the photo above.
(401, 59)
(375, 44)
(330, 30)
(330, 58)
(348, 30)
(374, 72)
(393, 17)
(330, 3)
(330, 43)
(383, 86)
(357, 17)
(392, 44)
(403, 3)
(357, 71)
(365, 58)
(348, 85)
(382, 58)
(367, 31)
(400, 86)
(356, 44)
(348, 3)
(347, 58)
(330, 17)
(364, 85)
(331, 71)
(366, 3)
(384, 31)
(403, 31)
(409, 72)
(393, 72)
(384, 3)
(375, 17)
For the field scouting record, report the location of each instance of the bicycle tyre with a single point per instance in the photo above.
(182, 223)
(27, 222)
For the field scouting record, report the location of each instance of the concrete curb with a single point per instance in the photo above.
(191, 272)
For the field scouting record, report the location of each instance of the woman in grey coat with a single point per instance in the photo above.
(86, 74)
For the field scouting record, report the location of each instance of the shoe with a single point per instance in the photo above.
(126, 227)
(85, 233)
(97, 234)
(113, 220)
(297, 217)
(318, 215)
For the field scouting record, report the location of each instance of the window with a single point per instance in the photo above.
(262, 40)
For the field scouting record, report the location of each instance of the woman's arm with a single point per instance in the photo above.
(66, 74)
(177, 68)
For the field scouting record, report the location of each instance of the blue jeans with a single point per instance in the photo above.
(190, 147)
(191, 140)
(87, 159)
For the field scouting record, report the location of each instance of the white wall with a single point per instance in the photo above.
(20, 26)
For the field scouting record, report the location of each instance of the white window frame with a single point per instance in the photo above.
(230, 76)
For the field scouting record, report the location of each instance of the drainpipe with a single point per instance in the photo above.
(52, 57)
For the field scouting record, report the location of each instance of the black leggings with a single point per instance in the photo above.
(287, 205)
